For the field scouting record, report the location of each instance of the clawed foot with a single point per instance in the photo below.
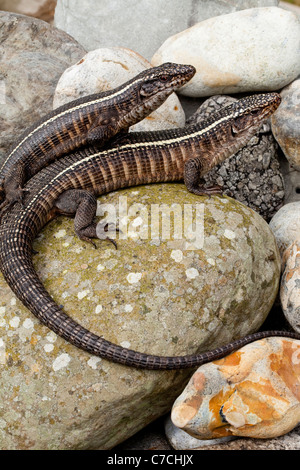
(12, 199)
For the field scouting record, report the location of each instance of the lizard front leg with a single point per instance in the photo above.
(83, 204)
(193, 180)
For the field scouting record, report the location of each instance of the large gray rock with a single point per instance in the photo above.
(153, 295)
(251, 50)
(142, 26)
(33, 57)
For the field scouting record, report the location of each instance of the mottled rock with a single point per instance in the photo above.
(34, 55)
(286, 123)
(253, 392)
(253, 175)
(286, 225)
(107, 68)
(289, 441)
(141, 26)
(251, 50)
(152, 294)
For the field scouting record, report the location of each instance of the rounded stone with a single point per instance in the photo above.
(249, 50)
(107, 68)
(159, 294)
(33, 57)
(286, 123)
(285, 225)
(253, 392)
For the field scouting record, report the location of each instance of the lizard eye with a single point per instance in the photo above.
(164, 78)
(255, 112)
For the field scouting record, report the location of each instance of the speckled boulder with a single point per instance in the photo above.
(153, 295)
(253, 392)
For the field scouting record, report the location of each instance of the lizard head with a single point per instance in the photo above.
(252, 111)
(161, 81)
(229, 129)
(152, 87)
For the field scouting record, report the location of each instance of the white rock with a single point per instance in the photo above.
(251, 50)
(286, 225)
(107, 68)
(141, 26)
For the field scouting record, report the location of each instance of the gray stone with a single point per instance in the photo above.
(142, 26)
(33, 57)
(250, 50)
(181, 440)
(42, 9)
(168, 299)
(253, 175)
(286, 124)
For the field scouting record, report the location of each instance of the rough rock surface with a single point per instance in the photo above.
(141, 26)
(253, 392)
(253, 175)
(33, 57)
(251, 50)
(152, 295)
(107, 68)
(286, 123)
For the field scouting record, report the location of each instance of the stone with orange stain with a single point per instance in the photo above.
(220, 49)
(254, 392)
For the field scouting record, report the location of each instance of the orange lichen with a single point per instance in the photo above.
(287, 366)
(215, 405)
(233, 359)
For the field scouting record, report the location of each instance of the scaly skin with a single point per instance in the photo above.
(91, 120)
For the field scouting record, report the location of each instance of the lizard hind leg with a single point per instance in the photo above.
(82, 204)
(194, 182)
